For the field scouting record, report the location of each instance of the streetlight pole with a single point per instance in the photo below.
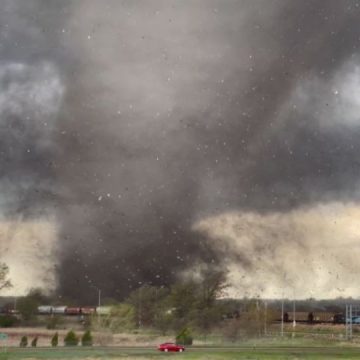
(99, 297)
(294, 312)
(265, 319)
(294, 316)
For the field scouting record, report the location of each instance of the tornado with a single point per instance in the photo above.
(140, 140)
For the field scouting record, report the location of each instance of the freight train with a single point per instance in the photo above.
(65, 310)
(316, 317)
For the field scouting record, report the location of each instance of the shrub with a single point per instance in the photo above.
(104, 338)
(24, 341)
(232, 329)
(55, 340)
(71, 339)
(34, 341)
(87, 339)
(122, 317)
(27, 307)
(184, 337)
(53, 322)
(8, 321)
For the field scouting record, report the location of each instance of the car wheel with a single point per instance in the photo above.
(181, 350)
(166, 350)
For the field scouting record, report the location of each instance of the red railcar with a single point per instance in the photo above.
(73, 311)
(88, 310)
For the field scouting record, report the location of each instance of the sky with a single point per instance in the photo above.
(142, 139)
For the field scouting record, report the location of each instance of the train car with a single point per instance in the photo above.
(45, 309)
(339, 318)
(323, 317)
(73, 311)
(13, 312)
(59, 310)
(103, 310)
(312, 317)
(355, 320)
(300, 316)
(88, 310)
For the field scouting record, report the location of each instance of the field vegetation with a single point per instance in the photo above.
(193, 310)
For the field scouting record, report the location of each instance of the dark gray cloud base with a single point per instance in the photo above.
(171, 112)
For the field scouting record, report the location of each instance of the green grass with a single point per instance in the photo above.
(287, 340)
(195, 354)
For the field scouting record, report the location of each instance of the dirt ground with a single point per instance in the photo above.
(100, 338)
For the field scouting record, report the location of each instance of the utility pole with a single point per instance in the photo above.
(348, 322)
(139, 315)
(265, 319)
(282, 317)
(99, 297)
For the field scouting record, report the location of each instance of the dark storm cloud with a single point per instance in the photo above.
(177, 110)
(30, 98)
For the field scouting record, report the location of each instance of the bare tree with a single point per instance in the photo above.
(4, 280)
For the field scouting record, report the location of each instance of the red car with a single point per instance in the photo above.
(171, 347)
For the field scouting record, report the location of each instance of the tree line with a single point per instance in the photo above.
(195, 302)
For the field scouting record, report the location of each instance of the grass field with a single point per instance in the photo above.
(298, 353)
(304, 345)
